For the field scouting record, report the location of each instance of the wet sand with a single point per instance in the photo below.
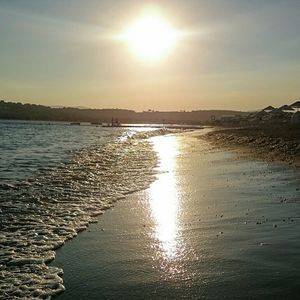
(209, 227)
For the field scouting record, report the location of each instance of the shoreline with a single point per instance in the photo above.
(264, 143)
(184, 236)
(112, 170)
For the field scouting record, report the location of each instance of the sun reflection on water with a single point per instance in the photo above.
(164, 206)
(164, 199)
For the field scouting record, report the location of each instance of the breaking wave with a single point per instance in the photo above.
(40, 214)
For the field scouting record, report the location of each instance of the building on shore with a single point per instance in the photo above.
(296, 105)
(287, 109)
(286, 114)
(268, 109)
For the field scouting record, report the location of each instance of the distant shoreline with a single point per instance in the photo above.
(276, 143)
(20, 111)
(107, 125)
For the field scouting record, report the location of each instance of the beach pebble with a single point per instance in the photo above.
(263, 244)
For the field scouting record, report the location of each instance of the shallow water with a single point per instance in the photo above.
(55, 180)
(209, 227)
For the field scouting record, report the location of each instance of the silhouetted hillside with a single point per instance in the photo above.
(19, 111)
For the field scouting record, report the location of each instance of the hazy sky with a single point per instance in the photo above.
(239, 54)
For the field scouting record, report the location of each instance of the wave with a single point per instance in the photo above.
(40, 214)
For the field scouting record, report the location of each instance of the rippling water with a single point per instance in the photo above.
(54, 180)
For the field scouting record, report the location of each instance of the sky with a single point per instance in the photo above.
(235, 54)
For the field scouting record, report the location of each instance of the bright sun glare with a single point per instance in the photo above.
(150, 37)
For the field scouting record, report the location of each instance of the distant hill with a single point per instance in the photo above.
(19, 111)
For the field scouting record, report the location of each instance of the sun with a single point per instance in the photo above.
(151, 37)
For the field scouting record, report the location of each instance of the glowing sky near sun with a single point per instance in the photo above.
(150, 37)
(236, 54)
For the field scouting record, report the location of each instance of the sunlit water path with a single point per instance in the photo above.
(209, 227)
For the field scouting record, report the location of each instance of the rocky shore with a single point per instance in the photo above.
(272, 143)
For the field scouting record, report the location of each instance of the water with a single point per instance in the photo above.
(209, 227)
(27, 148)
(201, 225)
(54, 180)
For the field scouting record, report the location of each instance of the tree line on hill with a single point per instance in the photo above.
(20, 111)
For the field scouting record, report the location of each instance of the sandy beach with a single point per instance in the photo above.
(209, 227)
(272, 143)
